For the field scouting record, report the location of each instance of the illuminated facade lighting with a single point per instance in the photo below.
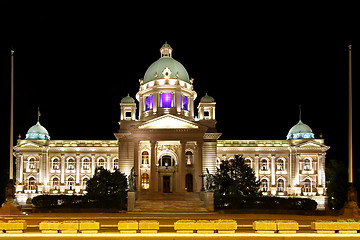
(169, 147)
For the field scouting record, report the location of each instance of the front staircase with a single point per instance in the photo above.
(169, 202)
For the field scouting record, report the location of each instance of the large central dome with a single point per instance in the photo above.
(156, 70)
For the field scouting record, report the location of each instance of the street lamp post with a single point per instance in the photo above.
(10, 188)
(352, 194)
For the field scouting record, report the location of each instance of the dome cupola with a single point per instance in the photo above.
(206, 108)
(166, 89)
(127, 99)
(207, 99)
(166, 67)
(300, 131)
(37, 132)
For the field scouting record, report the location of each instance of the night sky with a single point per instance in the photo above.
(259, 63)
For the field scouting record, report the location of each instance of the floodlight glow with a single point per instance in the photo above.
(148, 103)
(166, 100)
(185, 103)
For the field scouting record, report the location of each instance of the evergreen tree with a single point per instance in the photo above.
(234, 180)
(337, 184)
(108, 188)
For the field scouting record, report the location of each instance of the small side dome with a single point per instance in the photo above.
(207, 99)
(128, 99)
(300, 131)
(37, 132)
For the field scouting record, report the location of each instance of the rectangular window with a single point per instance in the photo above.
(166, 100)
(206, 114)
(184, 103)
(148, 103)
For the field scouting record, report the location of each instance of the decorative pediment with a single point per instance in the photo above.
(29, 144)
(168, 122)
(310, 144)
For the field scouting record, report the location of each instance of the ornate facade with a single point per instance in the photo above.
(169, 147)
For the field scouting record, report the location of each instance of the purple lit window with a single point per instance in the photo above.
(148, 103)
(166, 100)
(184, 103)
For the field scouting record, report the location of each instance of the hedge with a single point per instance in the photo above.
(264, 202)
(74, 201)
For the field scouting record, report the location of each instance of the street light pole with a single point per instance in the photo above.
(11, 170)
(352, 195)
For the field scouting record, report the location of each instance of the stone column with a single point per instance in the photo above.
(191, 107)
(153, 172)
(141, 106)
(256, 167)
(178, 102)
(21, 169)
(108, 162)
(77, 168)
(273, 169)
(297, 170)
(182, 165)
(155, 102)
(93, 164)
(62, 168)
(198, 167)
(41, 172)
(319, 169)
(136, 163)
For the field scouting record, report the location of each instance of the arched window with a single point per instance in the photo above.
(101, 162)
(189, 158)
(264, 164)
(85, 164)
(55, 164)
(145, 181)
(31, 163)
(115, 163)
(70, 182)
(55, 183)
(280, 165)
(145, 157)
(280, 185)
(32, 183)
(70, 164)
(83, 183)
(264, 185)
(307, 164)
(248, 162)
(166, 161)
(307, 185)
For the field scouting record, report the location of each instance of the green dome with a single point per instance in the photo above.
(37, 132)
(207, 99)
(300, 131)
(128, 99)
(166, 61)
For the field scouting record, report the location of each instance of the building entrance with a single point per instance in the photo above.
(166, 184)
(189, 182)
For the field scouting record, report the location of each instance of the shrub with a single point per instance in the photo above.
(266, 203)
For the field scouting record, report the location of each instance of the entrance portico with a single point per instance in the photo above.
(164, 157)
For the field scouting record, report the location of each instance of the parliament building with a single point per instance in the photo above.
(169, 146)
